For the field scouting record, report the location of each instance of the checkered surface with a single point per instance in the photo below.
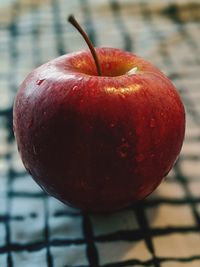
(164, 230)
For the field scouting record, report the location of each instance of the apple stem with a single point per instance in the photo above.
(74, 22)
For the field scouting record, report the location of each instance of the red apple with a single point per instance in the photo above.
(98, 143)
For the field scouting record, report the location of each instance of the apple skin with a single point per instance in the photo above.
(98, 143)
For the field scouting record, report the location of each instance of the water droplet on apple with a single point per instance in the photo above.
(152, 123)
(122, 154)
(40, 81)
(140, 158)
(74, 88)
(122, 150)
(80, 79)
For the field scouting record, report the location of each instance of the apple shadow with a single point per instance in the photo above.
(124, 234)
(137, 212)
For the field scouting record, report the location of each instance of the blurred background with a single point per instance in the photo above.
(164, 230)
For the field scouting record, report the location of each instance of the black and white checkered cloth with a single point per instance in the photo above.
(164, 230)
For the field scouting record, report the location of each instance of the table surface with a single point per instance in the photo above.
(164, 230)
